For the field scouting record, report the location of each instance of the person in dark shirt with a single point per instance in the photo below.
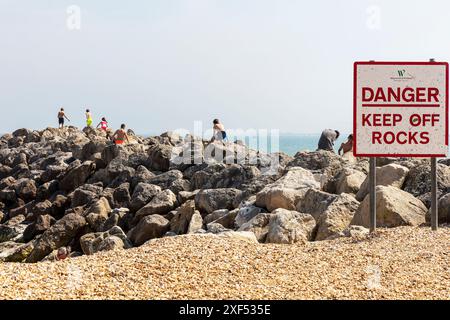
(327, 140)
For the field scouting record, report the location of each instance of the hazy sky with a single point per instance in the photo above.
(162, 64)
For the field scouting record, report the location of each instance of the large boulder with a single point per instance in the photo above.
(25, 189)
(85, 195)
(111, 152)
(418, 179)
(337, 217)
(141, 175)
(12, 230)
(228, 220)
(46, 190)
(59, 206)
(77, 176)
(395, 207)
(42, 223)
(349, 181)
(122, 195)
(182, 219)
(215, 215)
(246, 213)
(143, 194)
(389, 175)
(96, 145)
(172, 180)
(98, 213)
(196, 223)
(287, 226)
(118, 217)
(19, 253)
(165, 179)
(159, 157)
(149, 227)
(218, 175)
(23, 132)
(287, 191)
(259, 225)
(118, 172)
(316, 160)
(112, 239)
(5, 171)
(443, 210)
(60, 234)
(162, 203)
(210, 200)
(24, 210)
(315, 202)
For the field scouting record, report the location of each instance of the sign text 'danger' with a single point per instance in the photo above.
(406, 95)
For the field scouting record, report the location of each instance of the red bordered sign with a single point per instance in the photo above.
(400, 109)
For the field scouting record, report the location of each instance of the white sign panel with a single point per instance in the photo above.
(400, 109)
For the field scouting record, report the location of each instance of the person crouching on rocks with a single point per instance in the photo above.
(346, 146)
(327, 140)
(219, 133)
(120, 135)
(104, 126)
(61, 116)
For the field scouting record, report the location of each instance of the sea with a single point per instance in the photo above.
(291, 143)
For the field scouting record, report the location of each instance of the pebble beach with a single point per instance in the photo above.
(400, 263)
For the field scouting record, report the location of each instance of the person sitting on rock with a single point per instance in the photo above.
(88, 118)
(219, 133)
(346, 146)
(327, 139)
(61, 116)
(120, 135)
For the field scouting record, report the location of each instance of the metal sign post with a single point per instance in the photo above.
(373, 195)
(434, 200)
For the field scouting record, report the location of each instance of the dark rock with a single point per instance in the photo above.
(214, 199)
(112, 239)
(42, 208)
(59, 206)
(116, 218)
(122, 195)
(38, 227)
(143, 194)
(58, 235)
(46, 190)
(142, 174)
(443, 210)
(98, 213)
(159, 157)
(77, 176)
(181, 220)
(5, 171)
(85, 194)
(418, 179)
(149, 227)
(161, 204)
(25, 189)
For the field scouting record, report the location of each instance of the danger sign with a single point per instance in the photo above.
(400, 109)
